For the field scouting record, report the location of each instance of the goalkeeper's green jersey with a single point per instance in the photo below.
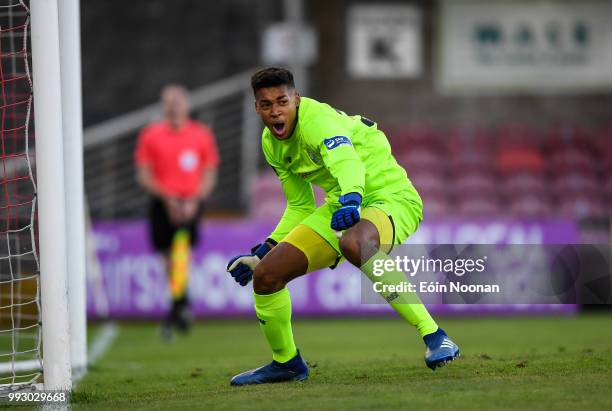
(339, 153)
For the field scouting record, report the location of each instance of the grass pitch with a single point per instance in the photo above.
(543, 363)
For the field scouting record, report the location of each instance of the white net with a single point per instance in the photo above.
(20, 331)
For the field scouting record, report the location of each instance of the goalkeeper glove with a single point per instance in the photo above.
(347, 215)
(242, 266)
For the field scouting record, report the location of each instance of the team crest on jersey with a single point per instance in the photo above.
(314, 156)
(336, 141)
(305, 175)
(188, 160)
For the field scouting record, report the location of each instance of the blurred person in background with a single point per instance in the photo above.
(370, 206)
(176, 162)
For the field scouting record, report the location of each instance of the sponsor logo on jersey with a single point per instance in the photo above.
(336, 141)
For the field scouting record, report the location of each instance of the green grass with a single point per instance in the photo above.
(544, 363)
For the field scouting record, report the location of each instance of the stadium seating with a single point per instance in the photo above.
(568, 136)
(513, 170)
(581, 206)
(474, 184)
(529, 206)
(481, 206)
(437, 206)
(607, 188)
(431, 184)
(421, 158)
(571, 160)
(267, 198)
(576, 183)
(524, 184)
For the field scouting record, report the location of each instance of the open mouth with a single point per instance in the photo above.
(279, 128)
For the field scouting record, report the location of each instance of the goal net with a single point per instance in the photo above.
(20, 330)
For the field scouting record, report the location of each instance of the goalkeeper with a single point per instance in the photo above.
(370, 205)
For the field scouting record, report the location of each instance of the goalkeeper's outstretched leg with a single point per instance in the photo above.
(361, 245)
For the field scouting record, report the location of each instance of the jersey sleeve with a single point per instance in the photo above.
(338, 154)
(143, 155)
(300, 200)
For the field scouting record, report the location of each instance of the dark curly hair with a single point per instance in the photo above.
(272, 77)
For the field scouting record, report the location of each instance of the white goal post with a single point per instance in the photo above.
(72, 120)
(63, 40)
(59, 200)
(57, 371)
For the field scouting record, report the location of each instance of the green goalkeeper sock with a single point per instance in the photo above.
(408, 305)
(274, 315)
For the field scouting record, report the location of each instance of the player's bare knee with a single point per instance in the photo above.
(350, 246)
(357, 248)
(265, 281)
(262, 278)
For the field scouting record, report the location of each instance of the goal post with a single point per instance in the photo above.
(70, 61)
(42, 220)
(50, 194)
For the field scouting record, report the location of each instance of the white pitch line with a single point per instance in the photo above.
(104, 338)
(102, 341)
